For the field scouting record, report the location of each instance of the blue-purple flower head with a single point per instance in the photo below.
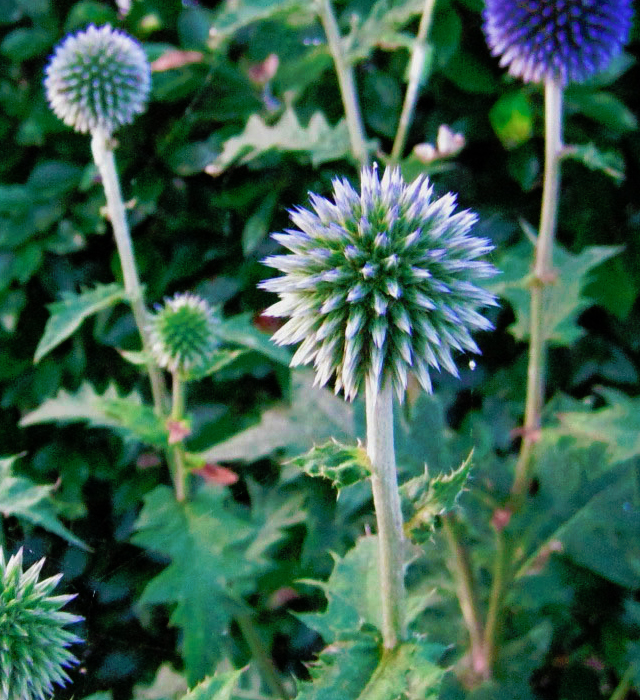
(33, 640)
(561, 40)
(380, 283)
(98, 79)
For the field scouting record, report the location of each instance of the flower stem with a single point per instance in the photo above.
(416, 71)
(346, 82)
(103, 157)
(465, 591)
(386, 499)
(492, 624)
(542, 277)
(176, 463)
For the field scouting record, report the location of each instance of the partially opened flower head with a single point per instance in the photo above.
(562, 40)
(33, 638)
(98, 79)
(182, 335)
(380, 283)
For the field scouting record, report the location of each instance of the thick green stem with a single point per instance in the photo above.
(386, 499)
(542, 277)
(465, 591)
(345, 80)
(416, 71)
(103, 157)
(492, 626)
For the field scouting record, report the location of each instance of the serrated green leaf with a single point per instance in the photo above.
(564, 298)
(344, 465)
(610, 163)
(231, 18)
(167, 685)
(127, 415)
(314, 415)
(67, 315)
(512, 118)
(218, 687)
(603, 107)
(616, 425)
(321, 141)
(240, 330)
(425, 498)
(21, 498)
(216, 554)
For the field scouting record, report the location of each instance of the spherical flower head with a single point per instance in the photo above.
(98, 79)
(561, 40)
(182, 335)
(33, 641)
(380, 283)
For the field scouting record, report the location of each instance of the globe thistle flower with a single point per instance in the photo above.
(98, 79)
(182, 335)
(380, 284)
(33, 641)
(562, 40)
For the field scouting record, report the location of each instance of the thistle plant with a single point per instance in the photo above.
(97, 81)
(33, 640)
(377, 285)
(554, 42)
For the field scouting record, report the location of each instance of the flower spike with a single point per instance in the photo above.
(33, 641)
(380, 283)
(561, 40)
(98, 79)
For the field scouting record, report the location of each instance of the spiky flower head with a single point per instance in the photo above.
(98, 79)
(33, 641)
(562, 40)
(182, 335)
(380, 283)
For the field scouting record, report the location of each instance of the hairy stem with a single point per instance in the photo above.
(345, 80)
(386, 499)
(416, 74)
(542, 277)
(104, 160)
(465, 591)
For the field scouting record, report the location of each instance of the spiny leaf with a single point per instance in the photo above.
(218, 687)
(216, 553)
(127, 415)
(21, 498)
(608, 162)
(344, 465)
(427, 498)
(564, 299)
(320, 140)
(240, 330)
(67, 315)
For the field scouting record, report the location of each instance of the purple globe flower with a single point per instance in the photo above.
(563, 40)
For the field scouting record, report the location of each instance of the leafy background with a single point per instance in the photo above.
(209, 171)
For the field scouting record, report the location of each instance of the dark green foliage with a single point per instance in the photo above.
(229, 143)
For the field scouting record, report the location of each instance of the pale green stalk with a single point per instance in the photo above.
(103, 157)
(621, 692)
(346, 82)
(416, 69)
(177, 461)
(494, 613)
(541, 278)
(386, 499)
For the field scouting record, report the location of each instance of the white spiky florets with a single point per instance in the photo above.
(182, 334)
(33, 641)
(380, 283)
(98, 79)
